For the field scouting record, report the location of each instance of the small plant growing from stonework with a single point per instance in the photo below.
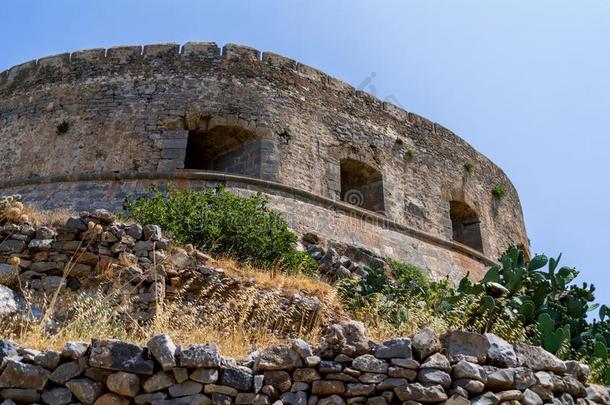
(62, 127)
(469, 167)
(499, 191)
(410, 153)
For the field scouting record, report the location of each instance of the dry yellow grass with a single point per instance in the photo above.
(239, 320)
(51, 218)
(94, 316)
(379, 330)
(11, 209)
(275, 279)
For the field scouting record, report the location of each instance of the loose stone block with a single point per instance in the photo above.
(163, 350)
(111, 399)
(185, 388)
(120, 356)
(500, 353)
(395, 348)
(531, 398)
(464, 369)
(86, 390)
(26, 396)
(48, 359)
(237, 377)
(57, 396)
(202, 356)
(279, 357)
(204, 375)
(279, 380)
(19, 375)
(67, 371)
(425, 343)
(537, 359)
(420, 393)
(123, 383)
(305, 375)
(431, 376)
(369, 364)
(437, 361)
(158, 382)
(220, 389)
(324, 388)
(469, 346)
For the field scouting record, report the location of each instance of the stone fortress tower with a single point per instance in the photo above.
(86, 129)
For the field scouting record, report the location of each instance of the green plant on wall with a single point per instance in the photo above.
(499, 191)
(410, 153)
(469, 167)
(62, 127)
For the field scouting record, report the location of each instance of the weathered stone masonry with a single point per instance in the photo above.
(140, 116)
(345, 368)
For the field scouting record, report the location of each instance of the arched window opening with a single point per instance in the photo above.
(361, 185)
(225, 149)
(466, 225)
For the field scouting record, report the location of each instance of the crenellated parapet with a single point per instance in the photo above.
(95, 62)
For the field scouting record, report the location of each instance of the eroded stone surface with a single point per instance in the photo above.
(425, 343)
(337, 378)
(163, 350)
(537, 359)
(19, 375)
(121, 356)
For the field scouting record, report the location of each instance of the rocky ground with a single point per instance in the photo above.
(345, 368)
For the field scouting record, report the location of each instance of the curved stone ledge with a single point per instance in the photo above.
(267, 186)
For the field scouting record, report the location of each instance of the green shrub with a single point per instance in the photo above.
(223, 223)
(499, 191)
(392, 300)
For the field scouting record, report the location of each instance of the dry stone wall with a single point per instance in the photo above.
(345, 368)
(129, 112)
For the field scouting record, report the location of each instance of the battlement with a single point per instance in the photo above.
(102, 60)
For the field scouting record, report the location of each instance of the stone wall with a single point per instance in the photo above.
(345, 368)
(130, 109)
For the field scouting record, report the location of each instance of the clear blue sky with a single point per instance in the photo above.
(526, 82)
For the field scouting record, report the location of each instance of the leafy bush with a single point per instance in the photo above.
(223, 223)
(518, 300)
(402, 303)
(499, 191)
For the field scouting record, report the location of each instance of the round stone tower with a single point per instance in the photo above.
(86, 129)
